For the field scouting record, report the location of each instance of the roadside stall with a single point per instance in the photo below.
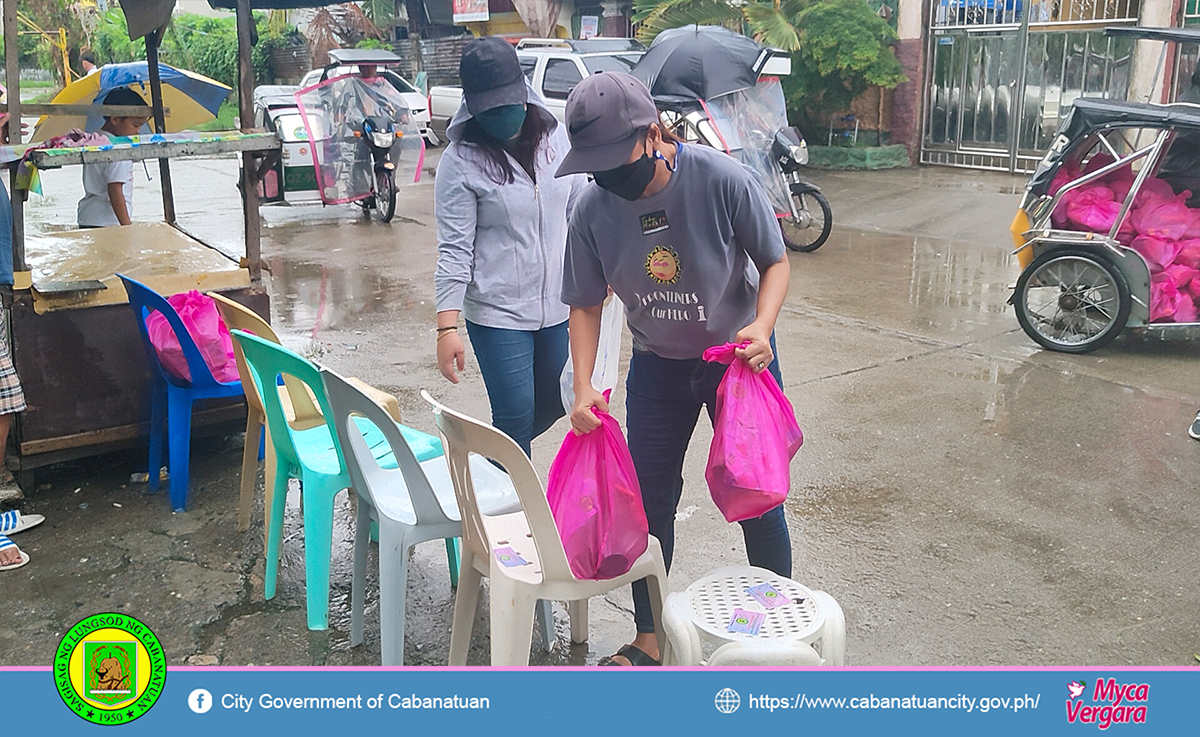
(74, 338)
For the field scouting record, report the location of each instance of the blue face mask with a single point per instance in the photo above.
(503, 123)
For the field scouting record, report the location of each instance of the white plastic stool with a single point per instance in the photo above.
(810, 630)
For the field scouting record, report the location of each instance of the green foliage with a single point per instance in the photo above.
(370, 43)
(381, 12)
(227, 118)
(50, 15)
(657, 16)
(839, 47)
(844, 49)
(110, 40)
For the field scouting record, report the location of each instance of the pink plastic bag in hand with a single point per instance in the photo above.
(755, 436)
(203, 322)
(1094, 210)
(597, 503)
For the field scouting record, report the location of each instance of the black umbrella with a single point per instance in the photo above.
(698, 63)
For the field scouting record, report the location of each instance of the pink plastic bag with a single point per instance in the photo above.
(1189, 253)
(597, 503)
(1158, 252)
(203, 322)
(1094, 210)
(1154, 191)
(1169, 220)
(1064, 176)
(755, 436)
(1167, 303)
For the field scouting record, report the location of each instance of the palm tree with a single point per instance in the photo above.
(770, 22)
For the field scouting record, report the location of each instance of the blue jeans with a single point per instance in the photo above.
(664, 398)
(521, 369)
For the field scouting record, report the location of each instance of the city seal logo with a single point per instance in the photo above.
(662, 265)
(110, 669)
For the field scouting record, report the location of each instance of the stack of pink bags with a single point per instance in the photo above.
(1160, 226)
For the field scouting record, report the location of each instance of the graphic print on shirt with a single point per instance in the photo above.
(663, 267)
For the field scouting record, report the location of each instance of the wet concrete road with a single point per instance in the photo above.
(968, 498)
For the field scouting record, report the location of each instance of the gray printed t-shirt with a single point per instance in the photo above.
(685, 262)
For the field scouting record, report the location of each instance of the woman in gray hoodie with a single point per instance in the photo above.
(502, 226)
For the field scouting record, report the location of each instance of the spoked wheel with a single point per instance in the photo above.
(385, 195)
(809, 228)
(1072, 300)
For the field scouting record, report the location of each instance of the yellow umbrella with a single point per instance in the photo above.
(191, 98)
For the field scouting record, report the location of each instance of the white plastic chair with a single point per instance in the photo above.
(412, 504)
(811, 630)
(532, 535)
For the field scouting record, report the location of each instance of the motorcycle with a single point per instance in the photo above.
(720, 89)
(380, 136)
(361, 134)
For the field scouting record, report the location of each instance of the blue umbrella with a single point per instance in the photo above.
(191, 98)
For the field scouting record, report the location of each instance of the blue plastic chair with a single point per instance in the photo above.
(314, 457)
(173, 397)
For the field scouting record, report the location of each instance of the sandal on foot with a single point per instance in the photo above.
(12, 522)
(634, 654)
(5, 544)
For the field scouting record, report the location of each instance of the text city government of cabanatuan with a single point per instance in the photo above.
(379, 701)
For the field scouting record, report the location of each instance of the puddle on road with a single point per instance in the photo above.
(311, 298)
(915, 284)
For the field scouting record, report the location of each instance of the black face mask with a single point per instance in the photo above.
(628, 180)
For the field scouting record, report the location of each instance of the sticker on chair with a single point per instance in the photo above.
(509, 558)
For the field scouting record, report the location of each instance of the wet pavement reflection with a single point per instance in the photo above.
(967, 497)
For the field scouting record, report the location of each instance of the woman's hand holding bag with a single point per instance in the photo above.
(597, 503)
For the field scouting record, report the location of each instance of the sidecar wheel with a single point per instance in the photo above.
(1072, 300)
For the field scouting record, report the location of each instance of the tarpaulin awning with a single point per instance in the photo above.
(146, 16)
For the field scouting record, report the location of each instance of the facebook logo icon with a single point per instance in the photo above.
(200, 701)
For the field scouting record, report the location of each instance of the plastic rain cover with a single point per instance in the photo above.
(747, 121)
(333, 112)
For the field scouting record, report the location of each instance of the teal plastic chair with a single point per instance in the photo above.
(314, 457)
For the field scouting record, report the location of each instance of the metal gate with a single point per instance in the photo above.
(1003, 73)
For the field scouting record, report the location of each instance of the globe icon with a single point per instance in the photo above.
(728, 701)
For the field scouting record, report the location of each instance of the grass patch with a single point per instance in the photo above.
(226, 120)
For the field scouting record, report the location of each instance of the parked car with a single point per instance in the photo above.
(554, 67)
(417, 102)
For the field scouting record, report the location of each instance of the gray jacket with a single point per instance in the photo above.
(501, 246)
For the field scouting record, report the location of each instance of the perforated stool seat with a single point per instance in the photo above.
(808, 630)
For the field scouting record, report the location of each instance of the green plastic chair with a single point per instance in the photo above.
(315, 458)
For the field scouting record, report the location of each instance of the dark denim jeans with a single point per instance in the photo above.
(521, 369)
(664, 398)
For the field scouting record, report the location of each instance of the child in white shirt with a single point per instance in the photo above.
(108, 188)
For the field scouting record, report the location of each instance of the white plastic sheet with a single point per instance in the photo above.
(333, 111)
(608, 354)
(747, 121)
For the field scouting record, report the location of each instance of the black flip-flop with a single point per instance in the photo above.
(634, 654)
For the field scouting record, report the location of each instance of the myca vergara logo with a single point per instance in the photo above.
(110, 669)
(1112, 703)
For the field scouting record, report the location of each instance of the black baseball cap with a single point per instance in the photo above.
(606, 113)
(491, 75)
